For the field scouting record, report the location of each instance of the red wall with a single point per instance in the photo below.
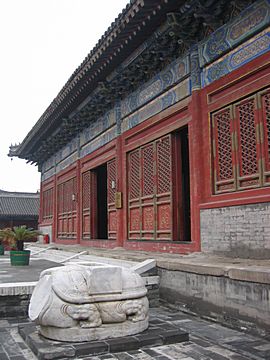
(193, 112)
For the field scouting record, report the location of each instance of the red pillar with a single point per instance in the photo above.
(55, 200)
(120, 188)
(196, 166)
(78, 200)
(40, 213)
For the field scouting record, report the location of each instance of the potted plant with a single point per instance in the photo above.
(2, 249)
(16, 238)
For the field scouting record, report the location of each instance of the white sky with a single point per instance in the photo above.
(42, 42)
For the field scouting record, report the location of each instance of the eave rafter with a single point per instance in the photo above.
(98, 81)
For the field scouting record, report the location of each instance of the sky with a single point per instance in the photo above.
(42, 42)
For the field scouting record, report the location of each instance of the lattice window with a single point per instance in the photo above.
(134, 174)
(111, 185)
(47, 208)
(86, 190)
(164, 165)
(224, 144)
(86, 205)
(111, 171)
(241, 144)
(266, 123)
(60, 198)
(148, 170)
(67, 213)
(247, 135)
(149, 191)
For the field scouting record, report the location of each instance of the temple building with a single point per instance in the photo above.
(160, 139)
(18, 208)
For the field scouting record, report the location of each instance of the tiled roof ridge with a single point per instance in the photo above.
(18, 194)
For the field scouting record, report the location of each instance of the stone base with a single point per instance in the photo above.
(160, 332)
(105, 331)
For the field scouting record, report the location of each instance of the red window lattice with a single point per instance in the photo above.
(111, 171)
(149, 191)
(67, 196)
(67, 214)
(86, 190)
(134, 174)
(247, 136)
(148, 170)
(224, 144)
(241, 141)
(111, 185)
(266, 113)
(86, 205)
(163, 165)
(47, 204)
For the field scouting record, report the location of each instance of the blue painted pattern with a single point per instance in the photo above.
(253, 19)
(98, 126)
(250, 50)
(179, 92)
(174, 73)
(99, 141)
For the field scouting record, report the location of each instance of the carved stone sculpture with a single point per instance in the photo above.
(84, 302)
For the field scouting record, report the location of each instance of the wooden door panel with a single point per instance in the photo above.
(86, 205)
(164, 183)
(134, 191)
(150, 191)
(248, 144)
(223, 152)
(164, 216)
(111, 186)
(67, 212)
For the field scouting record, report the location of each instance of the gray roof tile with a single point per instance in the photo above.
(16, 203)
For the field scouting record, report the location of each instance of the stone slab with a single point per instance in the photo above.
(256, 275)
(196, 268)
(144, 266)
(20, 288)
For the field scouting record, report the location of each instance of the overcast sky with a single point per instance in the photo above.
(42, 43)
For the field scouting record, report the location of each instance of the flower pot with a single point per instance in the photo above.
(2, 250)
(19, 258)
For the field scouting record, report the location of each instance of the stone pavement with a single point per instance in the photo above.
(11, 274)
(208, 341)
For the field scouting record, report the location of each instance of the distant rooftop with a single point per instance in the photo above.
(18, 204)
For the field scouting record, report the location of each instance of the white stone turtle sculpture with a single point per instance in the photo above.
(84, 302)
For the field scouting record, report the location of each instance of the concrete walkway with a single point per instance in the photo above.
(198, 263)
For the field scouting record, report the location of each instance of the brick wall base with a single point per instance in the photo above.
(237, 231)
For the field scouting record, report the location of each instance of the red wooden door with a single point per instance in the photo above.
(164, 184)
(86, 205)
(134, 194)
(111, 189)
(89, 205)
(150, 191)
(67, 212)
